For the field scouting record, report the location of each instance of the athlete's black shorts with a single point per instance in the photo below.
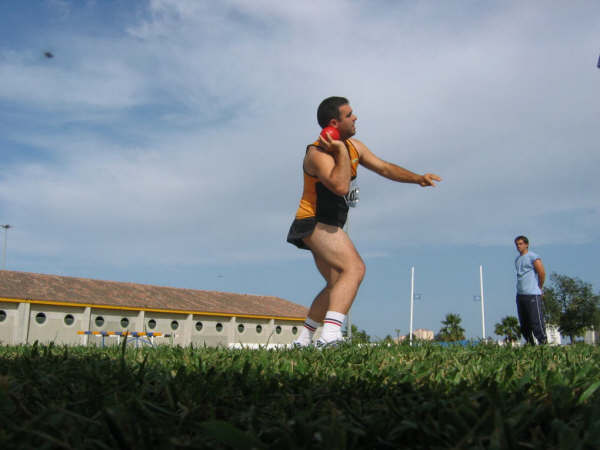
(331, 209)
(302, 228)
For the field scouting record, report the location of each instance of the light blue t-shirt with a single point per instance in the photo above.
(527, 277)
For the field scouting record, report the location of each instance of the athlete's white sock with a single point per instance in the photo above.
(332, 326)
(307, 332)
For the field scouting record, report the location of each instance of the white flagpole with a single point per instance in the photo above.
(6, 227)
(482, 307)
(348, 319)
(412, 300)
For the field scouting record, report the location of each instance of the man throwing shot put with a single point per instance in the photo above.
(530, 283)
(330, 168)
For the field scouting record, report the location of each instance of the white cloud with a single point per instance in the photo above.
(183, 137)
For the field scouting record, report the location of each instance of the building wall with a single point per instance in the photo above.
(248, 330)
(283, 331)
(59, 324)
(210, 331)
(223, 331)
(170, 325)
(27, 322)
(8, 319)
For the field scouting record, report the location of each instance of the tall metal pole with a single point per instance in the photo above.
(6, 227)
(412, 301)
(348, 319)
(349, 325)
(482, 307)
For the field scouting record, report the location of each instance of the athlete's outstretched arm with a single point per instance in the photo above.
(392, 171)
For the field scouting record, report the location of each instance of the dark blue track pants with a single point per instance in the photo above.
(531, 318)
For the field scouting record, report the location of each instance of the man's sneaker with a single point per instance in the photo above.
(331, 344)
(297, 344)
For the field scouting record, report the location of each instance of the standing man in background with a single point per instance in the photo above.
(330, 165)
(530, 284)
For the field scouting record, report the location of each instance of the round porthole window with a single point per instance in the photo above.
(2, 316)
(219, 327)
(258, 329)
(152, 324)
(199, 326)
(124, 322)
(278, 329)
(174, 325)
(40, 318)
(69, 319)
(294, 330)
(241, 328)
(99, 321)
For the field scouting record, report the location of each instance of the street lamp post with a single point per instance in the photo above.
(348, 318)
(412, 302)
(351, 198)
(482, 308)
(478, 298)
(413, 297)
(6, 227)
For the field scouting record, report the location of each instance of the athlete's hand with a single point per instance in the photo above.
(331, 145)
(428, 179)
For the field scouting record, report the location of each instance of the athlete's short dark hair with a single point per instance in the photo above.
(522, 238)
(330, 109)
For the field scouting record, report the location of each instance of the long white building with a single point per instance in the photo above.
(80, 311)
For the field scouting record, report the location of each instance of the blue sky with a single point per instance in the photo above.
(163, 144)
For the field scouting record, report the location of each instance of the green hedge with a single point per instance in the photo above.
(426, 396)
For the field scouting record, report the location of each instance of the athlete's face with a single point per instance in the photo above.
(521, 246)
(346, 124)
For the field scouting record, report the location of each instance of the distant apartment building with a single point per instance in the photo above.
(423, 334)
(419, 333)
(80, 311)
(591, 336)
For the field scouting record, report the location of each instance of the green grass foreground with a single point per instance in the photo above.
(426, 396)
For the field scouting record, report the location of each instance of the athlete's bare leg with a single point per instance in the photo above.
(320, 304)
(340, 264)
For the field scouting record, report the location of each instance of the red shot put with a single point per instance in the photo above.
(332, 132)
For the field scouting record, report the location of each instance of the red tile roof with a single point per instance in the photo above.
(60, 289)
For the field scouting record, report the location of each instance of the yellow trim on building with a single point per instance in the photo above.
(157, 310)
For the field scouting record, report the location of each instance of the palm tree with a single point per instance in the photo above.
(451, 331)
(509, 328)
(397, 330)
(360, 336)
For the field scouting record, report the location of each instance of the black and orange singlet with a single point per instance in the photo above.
(319, 202)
